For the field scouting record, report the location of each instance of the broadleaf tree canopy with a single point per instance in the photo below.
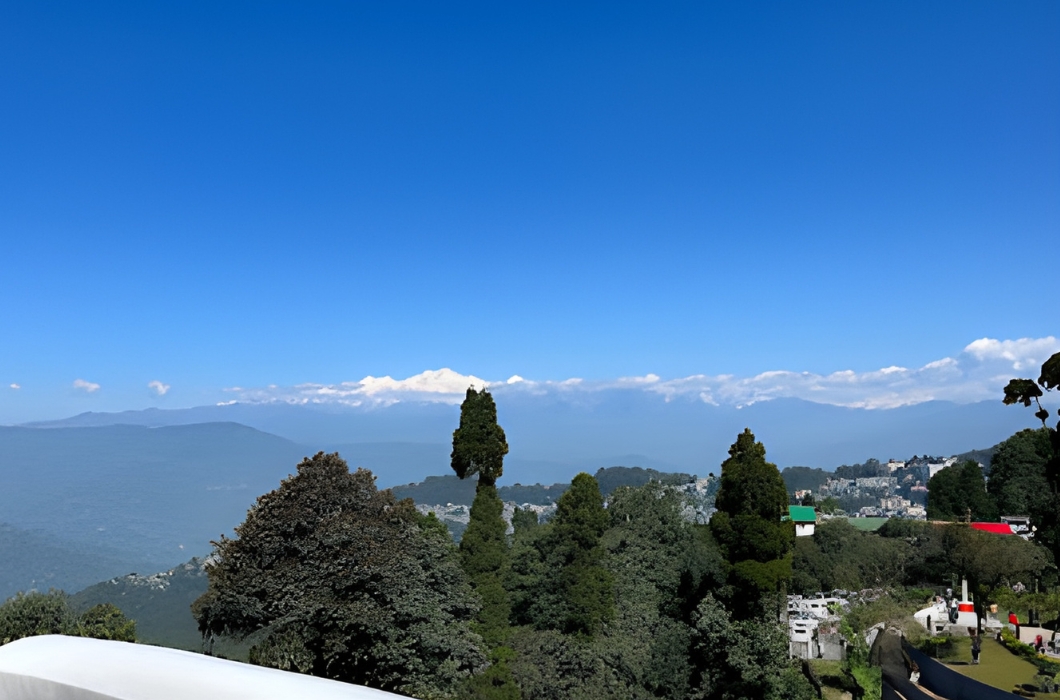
(337, 579)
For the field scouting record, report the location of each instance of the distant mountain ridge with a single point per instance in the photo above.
(549, 436)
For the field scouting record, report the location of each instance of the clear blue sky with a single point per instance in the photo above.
(217, 194)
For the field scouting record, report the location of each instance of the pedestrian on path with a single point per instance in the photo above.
(1015, 622)
(977, 644)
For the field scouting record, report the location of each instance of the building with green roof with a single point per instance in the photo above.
(805, 518)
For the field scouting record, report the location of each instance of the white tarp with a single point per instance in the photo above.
(54, 667)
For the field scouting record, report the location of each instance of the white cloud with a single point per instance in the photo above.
(432, 386)
(976, 374)
(16, 387)
(158, 387)
(442, 381)
(87, 387)
(1025, 353)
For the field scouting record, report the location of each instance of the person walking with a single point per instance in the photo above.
(977, 645)
(1015, 622)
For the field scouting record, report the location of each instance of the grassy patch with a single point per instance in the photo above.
(832, 677)
(871, 681)
(822, 667)
(867, 524)
(1000, 668)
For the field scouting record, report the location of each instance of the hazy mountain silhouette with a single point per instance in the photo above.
(551, 434)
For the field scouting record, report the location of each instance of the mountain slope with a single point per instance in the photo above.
(148, 492)
(38, 560)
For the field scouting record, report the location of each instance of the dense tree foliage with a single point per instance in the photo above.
(841, 556)
(829, 506)
(944, 554)
(751, 502)
(804, 478)
(559, 580)
(105, 621)
(484, 556)
(1018, 479)
(958, 492)
(479, 444)
(1043, 503)
(330, 576)
(662, 566)
(870, 468)
(337, 579)
(736, 659)
(34, 613)
(940, 553)
(585, 585)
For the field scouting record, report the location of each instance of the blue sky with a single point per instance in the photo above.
(245, 194)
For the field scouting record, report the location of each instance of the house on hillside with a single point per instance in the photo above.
(805, 518)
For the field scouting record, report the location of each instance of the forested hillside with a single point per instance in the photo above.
(436, 490)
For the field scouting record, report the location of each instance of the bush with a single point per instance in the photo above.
(34, 613)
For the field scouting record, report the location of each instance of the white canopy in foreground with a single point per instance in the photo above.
(54, 667)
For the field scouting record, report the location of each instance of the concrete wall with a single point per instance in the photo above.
(832, 647)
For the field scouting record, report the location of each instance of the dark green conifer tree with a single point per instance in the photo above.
(751, 502)
(586, 586)
(558, 578)
(479, 447)
(479, 444)
(484, 555)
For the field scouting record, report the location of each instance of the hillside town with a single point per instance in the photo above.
(895, 489)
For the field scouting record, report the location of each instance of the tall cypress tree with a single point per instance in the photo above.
(484, 555)
(751, 502)
(479, 444)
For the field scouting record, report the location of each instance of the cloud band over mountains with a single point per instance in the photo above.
(977, 373)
